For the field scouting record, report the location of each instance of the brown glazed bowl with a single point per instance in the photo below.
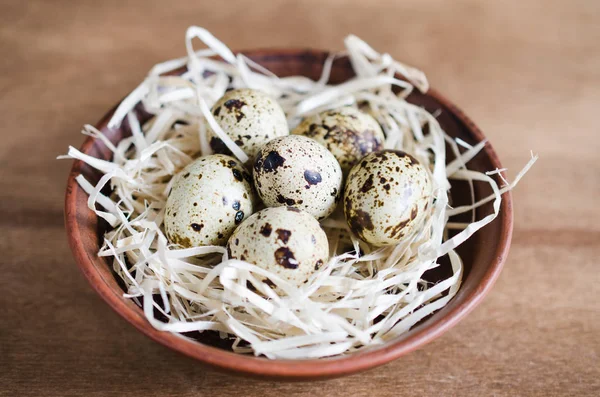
(483, 254)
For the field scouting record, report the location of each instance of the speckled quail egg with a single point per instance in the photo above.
(250, 118)
(386, 197)
(347, 132)
(297, 171)
(209, 198)
(282, 240)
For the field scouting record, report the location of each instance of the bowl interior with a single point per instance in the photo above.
(483, 254)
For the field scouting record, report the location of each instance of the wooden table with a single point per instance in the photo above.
(527, 71)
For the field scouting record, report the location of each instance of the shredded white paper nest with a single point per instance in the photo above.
(362, 297)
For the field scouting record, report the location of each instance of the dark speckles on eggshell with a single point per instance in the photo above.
(318, 264)
(237, 174)
(312, 130)
(414, 212)
(395, 231)
(239, 217)
(382, 154)
(234, 104)
(359, 221)
(403, 155)
(177, 239)
(197, 226)
(266, 229)
(368, 185)
(272, 161)
(284, 200)
(348, 203)
(312, 177)
(400, 154)
(283, 235)
(285, 257)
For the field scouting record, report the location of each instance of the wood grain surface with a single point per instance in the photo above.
(527, 71)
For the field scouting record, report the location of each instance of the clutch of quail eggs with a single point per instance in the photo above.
(267, 211)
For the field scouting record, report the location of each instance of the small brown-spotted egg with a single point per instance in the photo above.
(347, 132)
(282, 240)
(386, 197)
(250, 118)
(297, 171)
(209, 198)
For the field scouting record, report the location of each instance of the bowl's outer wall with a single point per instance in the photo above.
(483, 254)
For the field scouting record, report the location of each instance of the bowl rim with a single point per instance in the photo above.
(290, 369)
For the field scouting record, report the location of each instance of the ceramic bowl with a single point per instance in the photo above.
(483, 254)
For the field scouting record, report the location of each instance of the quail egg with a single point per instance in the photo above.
(250, 118)
(347, 132)
(386, 197)
(209, 198)
(297, 171)
(282, 240)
